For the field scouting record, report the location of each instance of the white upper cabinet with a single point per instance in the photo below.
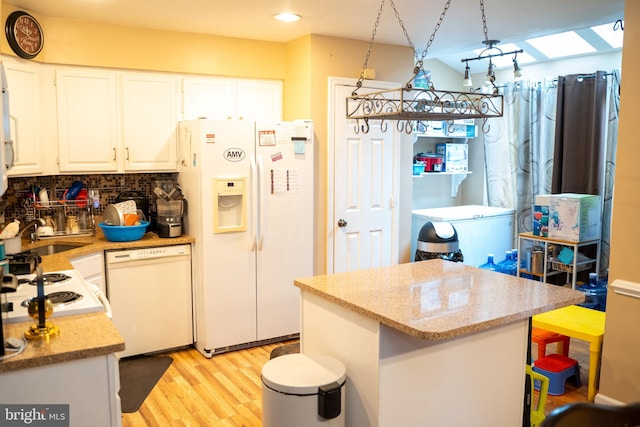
(226, 99)
(116, 122)
(210, 98)
(87, 120)
(149, 122)
(259, 100)
(68, 119)
(25, 108)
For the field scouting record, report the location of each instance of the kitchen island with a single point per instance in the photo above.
(78, 368)
(428, 343)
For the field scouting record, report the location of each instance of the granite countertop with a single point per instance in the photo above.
(438, 299)
(81, 336)
(94, 244)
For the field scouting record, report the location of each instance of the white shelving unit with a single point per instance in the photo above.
(455, 132)
(551, 266)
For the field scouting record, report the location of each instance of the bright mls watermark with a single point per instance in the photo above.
(34, 415)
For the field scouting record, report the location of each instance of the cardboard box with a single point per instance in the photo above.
(462, 130)
(455, 156)
(541, 220)
(575, 217)
(541, 215)
(432, 128)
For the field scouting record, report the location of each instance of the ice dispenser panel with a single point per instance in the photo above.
(229, 204)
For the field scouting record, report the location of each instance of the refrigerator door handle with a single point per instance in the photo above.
(253, 205)
(262, 204)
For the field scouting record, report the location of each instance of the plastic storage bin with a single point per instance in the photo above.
(303, 390)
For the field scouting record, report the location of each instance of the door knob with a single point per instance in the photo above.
(342, 223)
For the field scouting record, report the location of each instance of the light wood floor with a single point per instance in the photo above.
(226, 390)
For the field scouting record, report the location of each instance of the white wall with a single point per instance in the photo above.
(436, 192)
(431, 192)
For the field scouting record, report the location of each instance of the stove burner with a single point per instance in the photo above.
(21, 256)
(59, 298)
(51, 278)
(64, 297)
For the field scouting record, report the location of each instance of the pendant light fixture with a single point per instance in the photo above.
(491, 51)
(408, 105)
(466, 82)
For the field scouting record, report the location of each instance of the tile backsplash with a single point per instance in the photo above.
(109, 186)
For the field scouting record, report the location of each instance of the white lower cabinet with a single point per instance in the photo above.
(91, 268)
(89, 386)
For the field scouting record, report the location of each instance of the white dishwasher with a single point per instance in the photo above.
(150, 294)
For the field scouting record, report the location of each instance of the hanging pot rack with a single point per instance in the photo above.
(409, 105)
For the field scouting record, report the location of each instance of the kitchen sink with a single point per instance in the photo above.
(54, 248)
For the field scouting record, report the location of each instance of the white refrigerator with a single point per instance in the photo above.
(481, 230)
(250, 192)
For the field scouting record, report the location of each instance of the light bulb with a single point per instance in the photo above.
(466, 82)
(517, 71)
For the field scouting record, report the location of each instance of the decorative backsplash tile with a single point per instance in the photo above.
(109, 186)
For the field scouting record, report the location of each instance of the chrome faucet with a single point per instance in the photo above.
(38, 222)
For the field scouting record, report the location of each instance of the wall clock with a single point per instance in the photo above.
(24, 34)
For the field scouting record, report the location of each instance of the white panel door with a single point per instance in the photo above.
(364, 226)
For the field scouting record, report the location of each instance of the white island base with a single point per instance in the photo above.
(395, 379)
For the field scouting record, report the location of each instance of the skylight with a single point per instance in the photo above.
(610, 34)
(561, 44)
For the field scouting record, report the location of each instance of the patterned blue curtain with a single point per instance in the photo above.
(610, 169)
(519, 151)
(519, 148)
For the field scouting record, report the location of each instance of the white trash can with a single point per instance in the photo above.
(303, 390)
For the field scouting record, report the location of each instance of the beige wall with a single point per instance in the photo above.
(82, 43)
(334, 57)
(625, 238)
(304, 65)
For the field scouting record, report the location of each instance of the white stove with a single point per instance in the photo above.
(75, 295)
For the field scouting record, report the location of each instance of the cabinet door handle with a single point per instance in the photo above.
(114, 154)
(127, 150)
(342, 223)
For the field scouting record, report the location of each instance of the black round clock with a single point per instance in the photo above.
(24, 34)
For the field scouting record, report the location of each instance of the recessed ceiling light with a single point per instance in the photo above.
(609, 34)
(287, 17)
(561, 44)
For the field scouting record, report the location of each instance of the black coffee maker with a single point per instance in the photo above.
(168, 209)
(438, 240)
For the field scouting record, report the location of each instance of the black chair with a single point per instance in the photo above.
(593, 415)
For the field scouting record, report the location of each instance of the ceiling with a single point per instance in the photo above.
(460, 33)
